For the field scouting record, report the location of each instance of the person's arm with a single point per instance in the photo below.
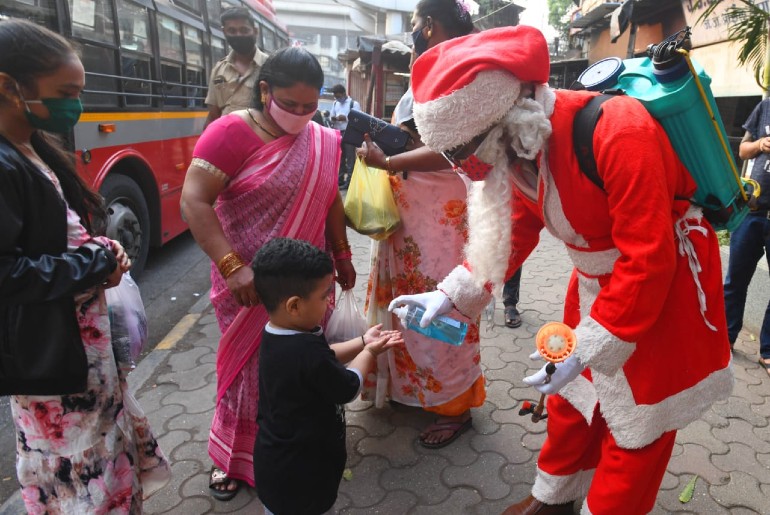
(200, 191)
(32, 279)
(214, 113)
(421, 159)
(346, 351)
(336, 232)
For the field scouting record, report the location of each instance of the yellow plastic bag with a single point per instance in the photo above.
(369, 205)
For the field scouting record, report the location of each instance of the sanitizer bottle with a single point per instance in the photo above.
(443, 328)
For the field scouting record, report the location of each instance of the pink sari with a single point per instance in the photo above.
(285, 189)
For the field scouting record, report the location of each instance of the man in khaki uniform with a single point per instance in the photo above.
(232, 79)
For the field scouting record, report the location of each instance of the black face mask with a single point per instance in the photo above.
(243, 45)
(420, 43)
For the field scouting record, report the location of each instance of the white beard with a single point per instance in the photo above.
(489, 202)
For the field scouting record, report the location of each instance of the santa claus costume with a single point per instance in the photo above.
(645, 297)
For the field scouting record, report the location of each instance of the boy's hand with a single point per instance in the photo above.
(386, 341)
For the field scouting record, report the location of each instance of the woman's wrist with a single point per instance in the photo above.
(230, 263)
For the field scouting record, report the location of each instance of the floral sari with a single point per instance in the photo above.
(283, 189)
(422, 371)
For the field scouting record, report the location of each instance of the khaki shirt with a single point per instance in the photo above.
(230, 91)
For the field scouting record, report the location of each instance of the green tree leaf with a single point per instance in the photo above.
(686, 495)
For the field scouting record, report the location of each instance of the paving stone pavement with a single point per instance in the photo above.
(484, 470)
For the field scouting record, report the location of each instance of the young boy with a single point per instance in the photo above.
(299, 455)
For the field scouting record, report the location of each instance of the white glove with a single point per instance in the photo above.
(433, 302)
(566, 371)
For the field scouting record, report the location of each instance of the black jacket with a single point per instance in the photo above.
(41, 352)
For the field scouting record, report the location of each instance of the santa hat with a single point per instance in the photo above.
(466, 85)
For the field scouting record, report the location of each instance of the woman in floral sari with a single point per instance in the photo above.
(272, 174)
(440, 378)
(83, 444)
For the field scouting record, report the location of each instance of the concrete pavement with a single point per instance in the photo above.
(488, 467)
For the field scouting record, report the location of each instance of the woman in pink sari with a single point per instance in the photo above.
(258, 174)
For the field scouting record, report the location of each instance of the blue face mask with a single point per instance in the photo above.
(420, 43)
(64, 114)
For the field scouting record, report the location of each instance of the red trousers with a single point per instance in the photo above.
(578, 458)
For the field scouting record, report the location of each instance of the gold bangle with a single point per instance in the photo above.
(340, 245)
(229, 263)
(387, 164)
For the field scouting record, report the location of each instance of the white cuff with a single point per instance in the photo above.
(468, 297)
(599, 349)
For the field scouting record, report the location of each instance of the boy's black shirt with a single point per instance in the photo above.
(299, 454)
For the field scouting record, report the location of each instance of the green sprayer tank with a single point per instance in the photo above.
(676, 91)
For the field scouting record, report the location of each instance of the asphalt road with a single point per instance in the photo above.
(175, 278)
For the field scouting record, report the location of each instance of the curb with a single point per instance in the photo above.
(138, 377)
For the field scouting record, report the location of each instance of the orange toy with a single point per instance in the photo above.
(555, 342)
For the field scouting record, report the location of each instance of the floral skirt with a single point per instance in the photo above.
(92, 452)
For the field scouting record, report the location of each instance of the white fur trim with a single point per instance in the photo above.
(599, 349)
(595, 263)
(468, 297)
(550, 489)
(588, 290)
(553, 213)
(584, 510)
(635, 426)
(581, 394)
(452, 120)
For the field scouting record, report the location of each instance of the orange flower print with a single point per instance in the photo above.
(398, 194)
(456, 215)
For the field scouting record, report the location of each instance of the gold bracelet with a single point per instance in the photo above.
(340, 245)
(229, 263)
(387, 165)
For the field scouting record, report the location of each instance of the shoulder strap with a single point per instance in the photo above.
(583, 127)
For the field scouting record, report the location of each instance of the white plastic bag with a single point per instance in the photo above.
(128, 321)
(346, 321)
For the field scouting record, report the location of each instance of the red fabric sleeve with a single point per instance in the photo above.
(226, 143)
(526, 224)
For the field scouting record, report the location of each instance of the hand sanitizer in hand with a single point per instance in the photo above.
(443, 328)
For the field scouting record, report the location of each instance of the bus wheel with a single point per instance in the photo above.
(129, 220)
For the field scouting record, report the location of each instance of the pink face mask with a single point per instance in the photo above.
(289, 122)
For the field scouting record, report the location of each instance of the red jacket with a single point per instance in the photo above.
(654, 361)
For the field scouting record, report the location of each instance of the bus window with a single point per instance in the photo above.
(42, 12)
(215, 10)
(92, 20)
(170, 38)
(133, 23)
(192, 5)
(196, 87)
(268, 40)
(193, 46)
(218, 51)
(173, 89)
(136, 80)
(101, 86)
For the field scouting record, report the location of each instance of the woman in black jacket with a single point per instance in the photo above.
(83, 445)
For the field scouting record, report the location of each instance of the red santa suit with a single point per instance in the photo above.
(645, 297)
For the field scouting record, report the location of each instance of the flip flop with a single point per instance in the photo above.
(512, 317)
(217, 477)
(764, 364)
(458, 428)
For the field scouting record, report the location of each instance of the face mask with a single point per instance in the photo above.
(475, 168)
(420, 43)
(242, 44)
(289, 122)
(64, 114)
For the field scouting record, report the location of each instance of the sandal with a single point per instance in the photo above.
(217, 478)
(512, 317)
(765, 364)
(457, 429)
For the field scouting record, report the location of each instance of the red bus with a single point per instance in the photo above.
(147, 66)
